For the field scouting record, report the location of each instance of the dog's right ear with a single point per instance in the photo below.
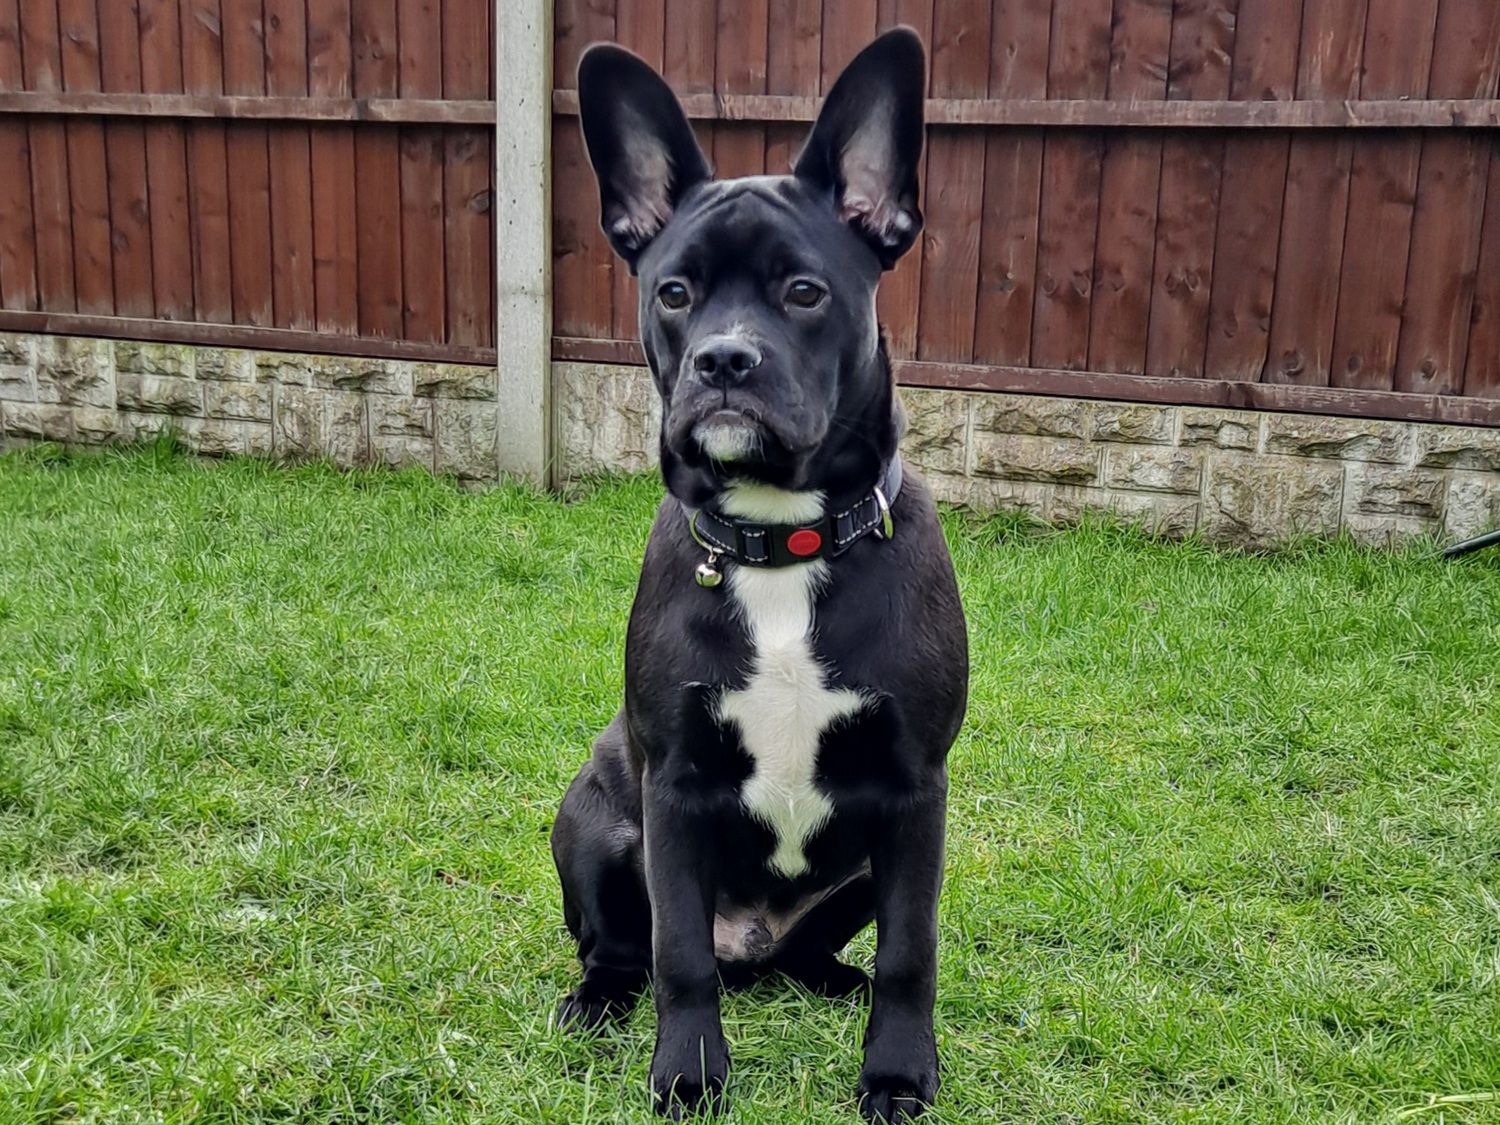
(640, 143)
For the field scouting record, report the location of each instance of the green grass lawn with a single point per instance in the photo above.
(279, 752)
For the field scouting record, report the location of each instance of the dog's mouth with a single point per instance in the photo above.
(733, 430)
(730, 437)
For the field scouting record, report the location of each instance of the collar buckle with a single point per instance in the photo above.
(887, 528)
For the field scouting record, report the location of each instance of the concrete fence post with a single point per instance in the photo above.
(523, 235)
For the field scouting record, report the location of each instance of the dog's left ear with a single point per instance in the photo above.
(867, 140)
(640, 143)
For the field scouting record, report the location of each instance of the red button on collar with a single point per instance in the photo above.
(804, 542)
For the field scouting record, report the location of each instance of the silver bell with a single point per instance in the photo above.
(707, 575)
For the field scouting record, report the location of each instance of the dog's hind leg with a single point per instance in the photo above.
(599, 859)
(809, 953)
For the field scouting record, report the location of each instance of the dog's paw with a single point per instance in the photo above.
(586, 1009)
(828, 976)
(898, 1093)
(689, 1079)
(891, 1100)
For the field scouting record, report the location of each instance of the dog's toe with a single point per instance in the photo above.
(688, 1101)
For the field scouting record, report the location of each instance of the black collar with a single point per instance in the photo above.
(783, 544)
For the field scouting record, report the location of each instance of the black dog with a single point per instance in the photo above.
(796, 664)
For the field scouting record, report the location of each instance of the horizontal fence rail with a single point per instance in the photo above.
(1474, 113)
(390, 111)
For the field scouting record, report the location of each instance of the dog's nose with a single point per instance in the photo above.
(724, 361)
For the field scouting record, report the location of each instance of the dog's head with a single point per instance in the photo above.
(757, 295)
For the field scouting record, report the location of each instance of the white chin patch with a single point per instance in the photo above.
(727, 442)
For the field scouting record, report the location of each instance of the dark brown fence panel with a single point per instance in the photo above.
(1198, 69)
(133, 188)
(949, 259)
(1248, 240)
(1483, 373)
(42, 56)
(290, 153)
(1020, 42)
(88, 164)
(1129, 192)
(167, 191)
(1451, 192)
(900, 297)
(1072, 163)
(1317, 196)
(1232, 192)
(1382, 197)
(17, 222)
(583, 267)
(468, 225)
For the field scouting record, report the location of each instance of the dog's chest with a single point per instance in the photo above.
(785, 706)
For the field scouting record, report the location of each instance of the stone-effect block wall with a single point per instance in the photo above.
(1238, 477)
(443, 417)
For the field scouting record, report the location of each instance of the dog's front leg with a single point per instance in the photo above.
(691, 1060)
(900, 1074)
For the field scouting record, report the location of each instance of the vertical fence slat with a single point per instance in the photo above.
(1020, 44)
(1188, 203)
(1482, 376)
(93, 262)
(899, 299)
(1247, 243)
(848, 25)
(740, 68)
(330, 73)
(955, 187)
(291, 169)
(641, 26)
(1317, 200)
(1078, 68)
(18, 284)
(377, 160)
(208, 166)
(1120, 312)
(249, 166)
(424, 239)
(125, 155)
(469, 226)
(167, 163)
(794, 51)
(50, 191)
(12, 76)
(423, 261)
(1382, 199)
(688, 56)
(1451, 190)
(18, 281)
(582, 279)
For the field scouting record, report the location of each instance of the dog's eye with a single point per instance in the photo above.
(805, 294)
(674, 295)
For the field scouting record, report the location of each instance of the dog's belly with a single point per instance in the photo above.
(755, 931)
(784, 708)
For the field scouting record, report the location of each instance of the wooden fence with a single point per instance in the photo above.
(1281, 204)
(1288, 204)
(303, 174)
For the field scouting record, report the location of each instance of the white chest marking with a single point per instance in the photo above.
(786, 704)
